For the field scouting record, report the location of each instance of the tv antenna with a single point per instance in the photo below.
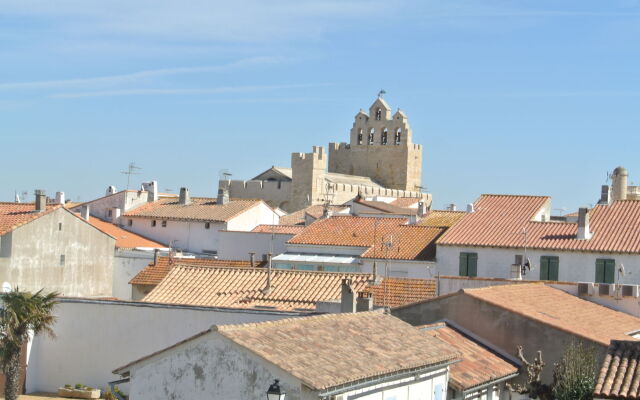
(381, 93)
(224, 174)
(131, 170)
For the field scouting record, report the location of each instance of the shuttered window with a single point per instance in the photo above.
(549, 266)
(469, 264)
(605, 270)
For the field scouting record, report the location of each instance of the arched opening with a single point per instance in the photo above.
(371, 135)
(385, 133)
(360, 136)
(378, 114)
(398, 136)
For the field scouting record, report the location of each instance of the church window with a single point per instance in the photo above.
(360, 136)
(371, 136)
(385, 133)
(378, 114)
(398, 136)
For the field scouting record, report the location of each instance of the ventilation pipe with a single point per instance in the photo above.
(41, 200)
(185, 197)
(583, 224)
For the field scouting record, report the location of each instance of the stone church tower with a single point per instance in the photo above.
(381, 148)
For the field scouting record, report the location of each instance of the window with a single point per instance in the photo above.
(164, 224)
(371, 136)
(59, 226)
(378, 114)
(360, 136)
(110, 212)
(549, 266)
(469, 264)
(605, 270)
(207, 225)
(62, 259)
(153, 223)
(384, 136)
(398, 136)
(130, 222)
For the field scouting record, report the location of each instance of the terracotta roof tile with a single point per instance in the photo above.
(560, 310)
(479, 365)
(499, 221)
(406, 202)
(619, 377)
(441, 218)
(153, 274)
(395, 292)
(13, 215)
(409, 242)
(354, 347)
(298, 217)
(388, 208)
(287, 229)
(124, 238)
(243, 287)
(200, 209)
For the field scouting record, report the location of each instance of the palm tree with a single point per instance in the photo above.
(21, 314)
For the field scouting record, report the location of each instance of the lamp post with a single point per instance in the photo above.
(274, 392)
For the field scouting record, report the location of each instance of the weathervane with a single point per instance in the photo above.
(381, 93)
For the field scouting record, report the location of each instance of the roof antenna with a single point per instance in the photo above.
(381, 93)
(131, 170)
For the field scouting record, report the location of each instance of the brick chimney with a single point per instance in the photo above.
(583, 224)
(41, 200)
(185, 197)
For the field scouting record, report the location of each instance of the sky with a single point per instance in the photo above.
(521, 97)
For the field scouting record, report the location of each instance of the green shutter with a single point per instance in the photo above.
(554, 267)
(544, 268)
(472, 264)
(600, 270)
(463, 264)
(609, 271)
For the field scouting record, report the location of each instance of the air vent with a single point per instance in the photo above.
(606, 289)
(585, 289)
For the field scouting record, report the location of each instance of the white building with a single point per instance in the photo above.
(321, 357)
(505, 232)
(259, 242)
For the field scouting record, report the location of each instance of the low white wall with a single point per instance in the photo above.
(126, 265)
(236, 245)
(401, 268)
(188, 236)
(95, 337)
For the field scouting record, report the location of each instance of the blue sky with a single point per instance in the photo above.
(531, 97)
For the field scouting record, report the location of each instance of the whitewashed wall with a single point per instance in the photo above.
(189, 236)
(236, 245)
(258, 215)
(95, 337)
(428, 386)
(126, 265)
(574, 266)
(401, 268)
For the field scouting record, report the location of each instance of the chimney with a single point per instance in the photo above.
(347, 298)
(604, 195)
(327, 212)
(364, 302)
(422, 209)
(59, 197)
(115, 215)
(84, 212)
(17, 198)
(152, 190)
(41, 200)
(452, 207)
(252, 259)
(156, 253)
(185, 198)
(470, 208)
(583, 224)
(223, 197)
(110, 190)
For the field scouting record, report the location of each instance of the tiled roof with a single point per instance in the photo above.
(13, 215)
(387, 207)
(479, 365)
(200, 209)
(124, 238)
(334, 177)
(244, 287)
(355, 346)
(153, 274)
(395, 292)
(409, 242)
(406, 202)
(500, 220)
(441, 218)
(619, 376)
(560, 310)
(288, 229)
(297, 218)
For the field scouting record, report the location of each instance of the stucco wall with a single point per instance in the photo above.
(276, 194)
(236, 245)
(401, 268)
(188, 236)
(95, 337)
(127, 264)
(502, 329)
(254, 216)
(36, 250)
(124, 200)
(574, 266)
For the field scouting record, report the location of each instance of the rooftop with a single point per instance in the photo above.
(480, 365)
(298, 217)
(200, 209)
(286, 229)
(619, 377)
(395, 292)
(153, 274)
(124, 238)
(441, 218)
(245, 287)
(388, 208)
(13, 215)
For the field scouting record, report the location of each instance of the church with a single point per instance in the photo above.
(380, 160)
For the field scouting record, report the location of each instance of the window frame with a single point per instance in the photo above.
(549, 268)
(605, 270)
(468, 264)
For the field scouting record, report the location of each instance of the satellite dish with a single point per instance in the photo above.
(6, 287)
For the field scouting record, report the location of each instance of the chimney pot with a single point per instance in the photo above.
(185, 198)
(583, 224)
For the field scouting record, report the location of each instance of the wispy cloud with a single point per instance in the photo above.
(174, 92)
(138, 76)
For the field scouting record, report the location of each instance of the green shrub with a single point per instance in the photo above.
(574, 377)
